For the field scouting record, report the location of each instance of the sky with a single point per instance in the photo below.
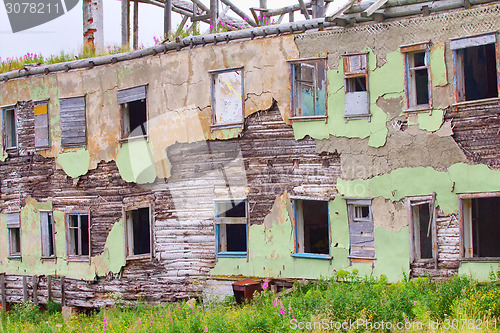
(66, 32)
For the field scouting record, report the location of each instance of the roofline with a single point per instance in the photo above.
(202, 40)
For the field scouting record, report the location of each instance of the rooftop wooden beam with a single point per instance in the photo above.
(303, 9)
(376, 5)
(240, 13)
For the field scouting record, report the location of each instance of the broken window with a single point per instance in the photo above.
(14, 233)
(312, 227)
(47, 234)
(357, 104)
(417, 76)
(227, 97)
(78, 225)
(134, 115)
(481, 226)
(138, 232)
(361, 229)
(231, 227)
(308, 78)
(476, 75)
(42, 135)
(9, 128)
(423, 228)
(73, 123)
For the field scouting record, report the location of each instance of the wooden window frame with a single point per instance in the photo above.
(49, 213)
(47, 121)
(354, 73)
(6, 109)
(415, 255)
(352, 205)
(76, 256)
(298, 226)
(466, 236)
(459, 81)
(296, 85)
(125, 117)
(14, 255)
(128, 232)
(79, 144)
(213, 78)
(221, 222)
(409, 52)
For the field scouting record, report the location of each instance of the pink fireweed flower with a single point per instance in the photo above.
(407, 320)
(283, 312)
(206, 330)
(276, 301)
(265, 285)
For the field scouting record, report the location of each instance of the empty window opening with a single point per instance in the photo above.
(356, 84)
(47, 234)
(312, 227)
(308, 87)
(482, 227)
(422, 229)
(227, 97)
(418, 78)
(14, 233)
(231, 226)
(476, 74)
(10, 128)
(362, 242)
(134, 119)
(139, 234)
(78, 240)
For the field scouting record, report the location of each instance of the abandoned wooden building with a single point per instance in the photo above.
(366, 141)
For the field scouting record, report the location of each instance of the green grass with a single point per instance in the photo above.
(455, 303)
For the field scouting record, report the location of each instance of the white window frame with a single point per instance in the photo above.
(409, 52)
(5, 135)
(45, 233)
(413, 204)
(129, 232)
(16, 224)
(214, 87)
(220, 228)
(77, 255)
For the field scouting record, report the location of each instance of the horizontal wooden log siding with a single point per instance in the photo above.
(477, 131)
(271, 162)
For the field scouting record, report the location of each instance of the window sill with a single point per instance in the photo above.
(232, 254)
(15, 257)
(309, 118)
(479, 259)
(78, 259)
(485, 101)
(416, 109)
(139, 257)
(312, 256)
(48, 258)
(134, 138)
(224, 126)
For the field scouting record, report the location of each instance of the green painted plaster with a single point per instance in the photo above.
(379, 86)
(439, 76)
(111, 260)
(135, 162)
(479, 271)
(3, 156)
(270, 249)
(74, 163)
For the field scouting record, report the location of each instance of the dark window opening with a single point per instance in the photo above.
(47, 225)
(78, 235)
(422, 86)
(312, 219)
(486, 227)
(422, 219)
(134, 118)
(141, 236)
(355, 84)
(236, 237)
(480, 72)
(15, 241)
(10, 128)
(361, 212)
(232, 209)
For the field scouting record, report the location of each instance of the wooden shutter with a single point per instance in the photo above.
(73, 124)
(42, 136)
(13, 220)
(131, 94)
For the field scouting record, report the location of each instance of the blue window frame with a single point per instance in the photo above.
(231, 227)
(417, 76)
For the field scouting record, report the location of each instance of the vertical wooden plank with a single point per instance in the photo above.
(125, 23)
(167, 23)
(136, 24)
(63, 296)
(49, 288)
(35, 289)
(318, 8)
(214, 12)
(291, 16)
(263, 4)
(3, 294)
(25, 288)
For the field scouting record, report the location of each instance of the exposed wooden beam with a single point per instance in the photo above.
(303, 9)
(239, 12)
(291, 15)
(376, 5)
(125, 23)
(136, 24)
(167, 23)
(339, 7)
(201, 5)
(181, 25)
(318, 8)
(214, 12)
